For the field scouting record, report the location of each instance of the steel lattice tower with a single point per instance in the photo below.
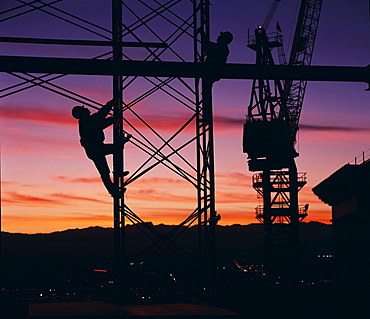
(148, 31)
(270, 135)
(156, 46)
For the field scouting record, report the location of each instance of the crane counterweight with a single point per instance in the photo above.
(268, 144)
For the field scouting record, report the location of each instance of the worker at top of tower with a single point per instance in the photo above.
(217, 54)
(91, 129)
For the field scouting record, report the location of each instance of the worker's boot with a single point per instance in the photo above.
(123, 174)
(118, 193)
(111, 188)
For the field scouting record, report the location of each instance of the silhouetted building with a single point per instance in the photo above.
(347, 191)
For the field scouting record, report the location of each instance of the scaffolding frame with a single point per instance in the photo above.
(164, 75)
(195, 27)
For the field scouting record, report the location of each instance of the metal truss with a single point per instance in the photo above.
(267, 138)
(266, 97)
(155, 48)
(147, 31)
(301, 55)
(280, 189)
(280, 214)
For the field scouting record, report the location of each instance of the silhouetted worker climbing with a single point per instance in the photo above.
(217, 54)
(91, 129)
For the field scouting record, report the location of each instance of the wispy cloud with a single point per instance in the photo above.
(55, 199)
(153, 195)
(78, 198)
(74, 180)
(16, 198)
(235, 179)
(160, 180)
(8, 183)
(36, 113)
(311, 127)
(332, 137)
(230, 122)
(224, 197)
(168, 121)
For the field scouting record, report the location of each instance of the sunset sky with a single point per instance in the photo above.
(48, 184)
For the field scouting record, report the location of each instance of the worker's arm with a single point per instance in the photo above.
(209, 47)
(109, 121)
(104, 111)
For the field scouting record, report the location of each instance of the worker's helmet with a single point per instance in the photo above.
(226, 37)
(80, 111)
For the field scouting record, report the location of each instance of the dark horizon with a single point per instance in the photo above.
(149, 222)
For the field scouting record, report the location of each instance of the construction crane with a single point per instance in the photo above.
(269, 139)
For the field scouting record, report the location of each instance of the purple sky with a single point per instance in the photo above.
(48, 184)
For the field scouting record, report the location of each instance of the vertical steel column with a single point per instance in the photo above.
(119, 220)
(207, 180)
(198, 57)
(294, 254)
(281, 218)
(267, 218)
(205, 147)
(1, 239)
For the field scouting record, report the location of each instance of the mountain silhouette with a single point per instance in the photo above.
(94, 245)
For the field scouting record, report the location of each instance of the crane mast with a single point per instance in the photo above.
(269, 140)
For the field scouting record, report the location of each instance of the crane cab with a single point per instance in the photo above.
(268, 144)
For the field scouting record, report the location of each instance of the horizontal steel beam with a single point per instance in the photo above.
(81, 42)
(182, 69)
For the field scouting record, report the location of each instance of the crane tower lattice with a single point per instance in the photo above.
(269, 139)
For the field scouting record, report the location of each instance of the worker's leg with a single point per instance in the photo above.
(103, 168)
(110, 149)
(97, 155)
